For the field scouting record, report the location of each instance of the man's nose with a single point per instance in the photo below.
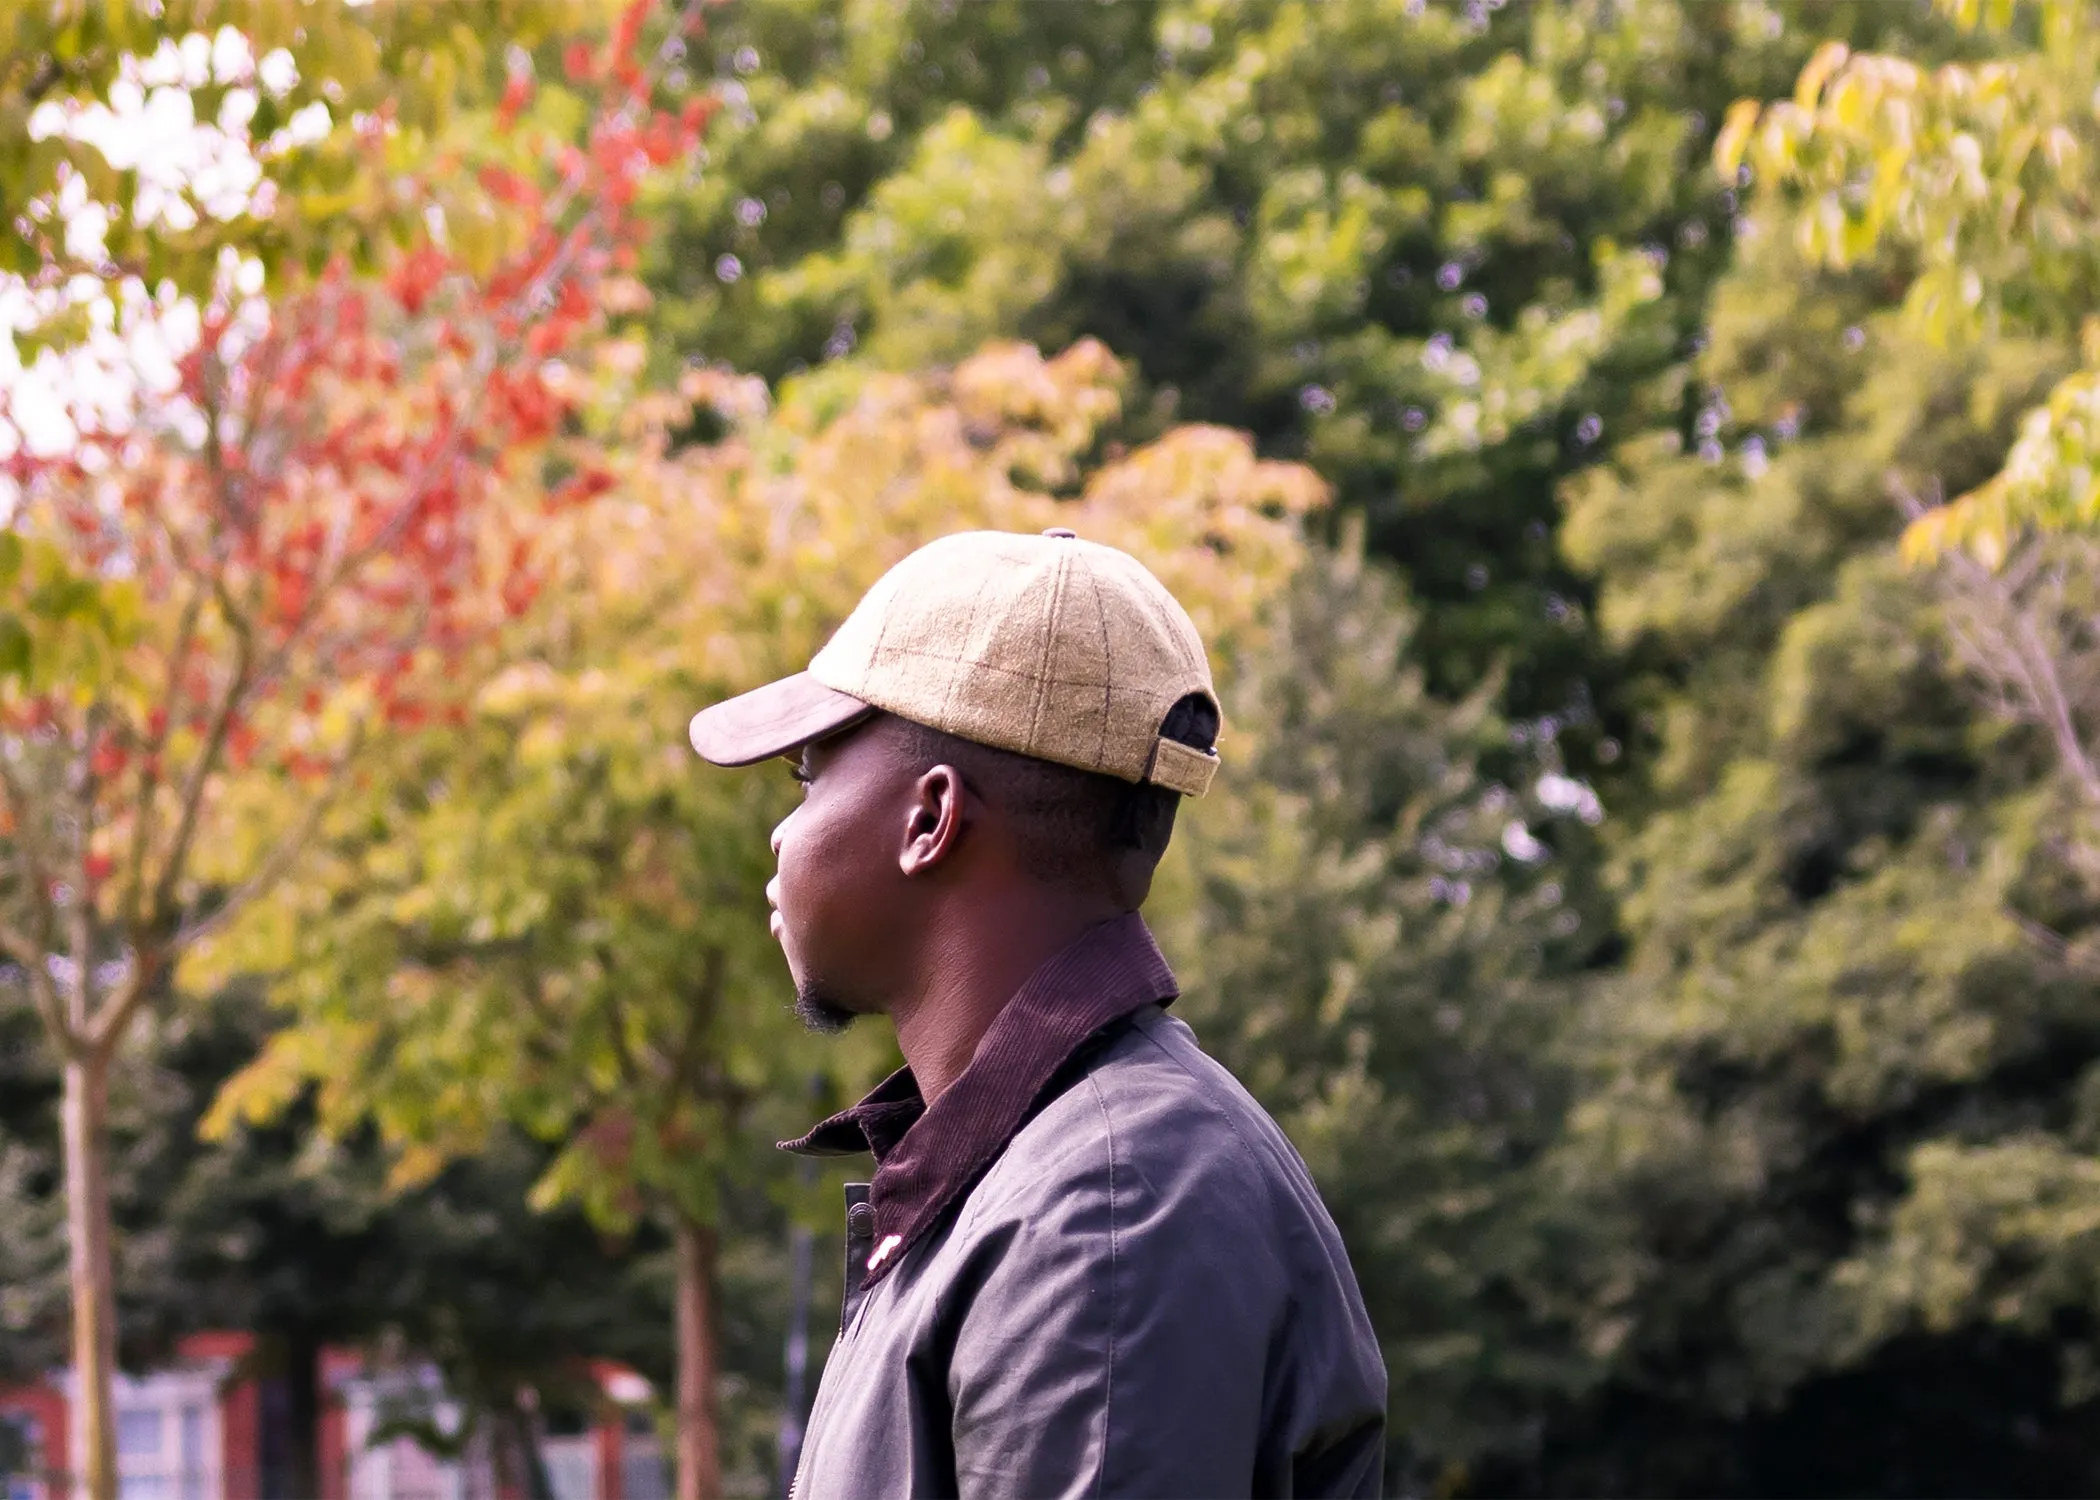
(779, 829)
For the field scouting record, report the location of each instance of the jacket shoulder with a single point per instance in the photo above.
(1152, 1113)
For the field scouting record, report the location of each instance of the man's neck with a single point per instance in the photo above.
(979, 960)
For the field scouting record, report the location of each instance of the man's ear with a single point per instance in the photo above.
(934, 820)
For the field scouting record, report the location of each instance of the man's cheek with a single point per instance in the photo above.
(783, 929)
(780, 901)
(788, 895)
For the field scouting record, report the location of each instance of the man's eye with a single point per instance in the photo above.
(801, 774)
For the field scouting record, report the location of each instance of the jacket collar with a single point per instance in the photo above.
(928, 1156)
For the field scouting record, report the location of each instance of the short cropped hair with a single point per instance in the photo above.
(1073, 826)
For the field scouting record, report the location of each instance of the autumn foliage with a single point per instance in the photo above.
(216, 602)
(338, 503)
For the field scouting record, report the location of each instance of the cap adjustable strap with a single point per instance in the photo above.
(1181, 768)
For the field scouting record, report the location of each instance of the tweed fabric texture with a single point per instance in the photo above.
(1049, 646)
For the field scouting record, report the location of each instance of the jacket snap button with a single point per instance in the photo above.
(860, 1218)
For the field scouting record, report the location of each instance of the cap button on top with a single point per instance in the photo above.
(1059, 531)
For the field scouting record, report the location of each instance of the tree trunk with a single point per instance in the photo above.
(516, 1431)
(302, 1428)
(699, 1444)
(93, 1445)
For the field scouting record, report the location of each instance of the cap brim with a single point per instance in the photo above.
(776, 719)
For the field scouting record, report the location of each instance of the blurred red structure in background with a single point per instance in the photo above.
(205, 1428)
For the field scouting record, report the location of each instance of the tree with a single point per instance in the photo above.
(1449, 255)
(303, 1242)
(1977, 182)
(1983, 174)
(298, 538)
(555, 918)
(1827, 892)
(1446, 253)
(1379, 938)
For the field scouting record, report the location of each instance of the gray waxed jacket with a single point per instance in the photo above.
(1137, 1292)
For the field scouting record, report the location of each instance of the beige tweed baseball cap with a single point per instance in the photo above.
(1048, 646)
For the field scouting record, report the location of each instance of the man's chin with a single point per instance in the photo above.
(820, 1013)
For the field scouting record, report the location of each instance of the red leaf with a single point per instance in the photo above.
(629, 31)
(417, 276)
(506, 186)
(240, 745)
(516, 95)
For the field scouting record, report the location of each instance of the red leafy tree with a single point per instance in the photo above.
(217, 613)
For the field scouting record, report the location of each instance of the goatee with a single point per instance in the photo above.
(820, 1014)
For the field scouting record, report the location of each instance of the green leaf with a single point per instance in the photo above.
(15, 646)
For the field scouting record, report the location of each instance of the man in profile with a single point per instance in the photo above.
(1088, 1263)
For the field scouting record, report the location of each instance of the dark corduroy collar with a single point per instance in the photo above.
(927, 1156)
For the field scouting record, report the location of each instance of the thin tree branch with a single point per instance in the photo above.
(616, 1025)
(41, 82)
(546, 1043)
(201, 771)
(43, 995)
(699, 1016)
(17, 945)
(447, 452)
(278, 862)
(107, 1029)
(29, 842)
(150, 773)
(2073, 959)
(81, 783)
(2032, 647)
(2047, 686)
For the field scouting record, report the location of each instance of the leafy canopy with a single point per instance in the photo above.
(552, 915)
